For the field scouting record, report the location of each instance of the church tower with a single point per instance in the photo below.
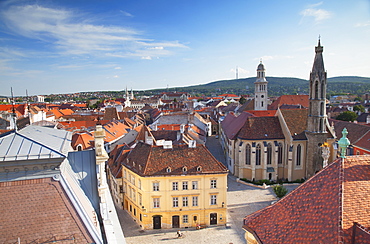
(317, 120)
(260, 89)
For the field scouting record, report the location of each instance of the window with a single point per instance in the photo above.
(213, 184)
(184, 185)
(269, 154)
(155, 202)
(258, 155)
(248, 154)
(316, 89)
(140, 199)
(124, 174)
(213, 199)
(139, 183)
(299, 152)
(195, 201)
(155, 186)
(195, 185)
(175, 186)
(185, 201)
(133, 195)
(175, 202)
(133, 179)
(120, 189)
(280, 153)
(185, 219)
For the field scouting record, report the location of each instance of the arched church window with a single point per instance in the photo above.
(258, 154)
(316, 90)
(248, 154)
(322, 90)
(321, 129)
(322, 109)
(262, 104)
(280, 153)
(269, 154)
(299, 155)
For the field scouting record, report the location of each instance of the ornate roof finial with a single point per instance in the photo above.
(319, 41)
(343, 143)
(260, 60)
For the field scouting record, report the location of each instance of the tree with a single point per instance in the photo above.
(359, 108)
(347, 116)
(280, 190)
(242, 100)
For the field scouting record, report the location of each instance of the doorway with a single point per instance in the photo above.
(213, 219)
(175, 221)
(156, 222)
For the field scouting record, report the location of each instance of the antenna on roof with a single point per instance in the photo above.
(237, 72)
(13, 110)
(27, 102)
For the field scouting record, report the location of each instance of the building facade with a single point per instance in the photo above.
(174, 186)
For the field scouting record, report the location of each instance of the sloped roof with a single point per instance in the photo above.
(231, 125)
(168, 135)
(296, 121)
(116, 157)
(363, 117)
(45, 215)
(290, 100)
(30, 143)
(262, 113)
(111, 113)
(147, 160)
(355, 131)
(261, 128)
(313, 212)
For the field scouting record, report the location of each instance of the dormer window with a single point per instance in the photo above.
(168, 170)
(199, 168)
(133, 163)
(184, 169)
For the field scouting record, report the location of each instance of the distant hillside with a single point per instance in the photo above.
(277, 86)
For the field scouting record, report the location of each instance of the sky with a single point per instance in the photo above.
(66, 46)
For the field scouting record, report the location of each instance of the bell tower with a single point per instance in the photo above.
(260, 89)
(316, 122)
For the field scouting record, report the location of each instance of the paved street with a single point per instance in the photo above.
(241, 201)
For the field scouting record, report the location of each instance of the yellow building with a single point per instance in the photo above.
(174, 186)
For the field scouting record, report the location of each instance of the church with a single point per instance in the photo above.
(288, 145)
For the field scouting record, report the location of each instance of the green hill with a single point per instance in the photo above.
(277, 86)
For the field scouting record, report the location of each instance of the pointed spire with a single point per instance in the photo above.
(318, 65)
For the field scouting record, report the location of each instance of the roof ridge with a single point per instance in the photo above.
(341, 200)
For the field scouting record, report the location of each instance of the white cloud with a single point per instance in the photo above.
(147, 57)
(117, 68)
(116, 76)
(363, 24)
(318, 14)
(72, 33)
(127, 14)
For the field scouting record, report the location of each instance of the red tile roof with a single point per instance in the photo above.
(290, 100)
(261, 128)
(262, 113)
(45, 215)
(231, 125)
(147, 160)
(324, 209)
(296, 121)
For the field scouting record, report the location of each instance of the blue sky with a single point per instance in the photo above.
(66, 46)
